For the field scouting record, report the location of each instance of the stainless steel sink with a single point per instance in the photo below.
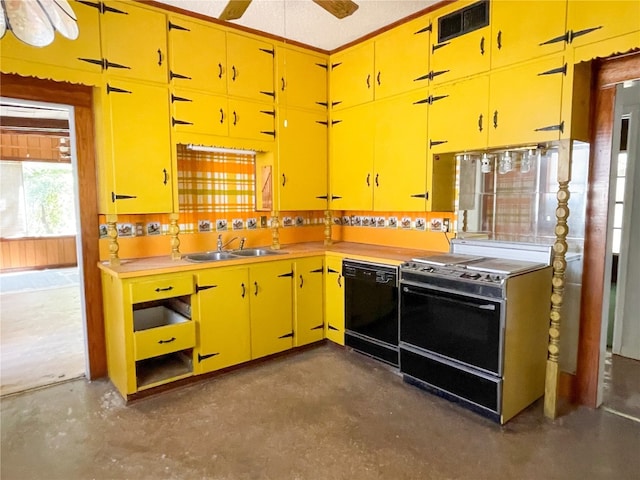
(256, 252)
(209, 256)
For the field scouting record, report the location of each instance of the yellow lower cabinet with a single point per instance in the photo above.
(309, 314)
(150, 335)
(334, 299)
(221, 313)
(270, 291)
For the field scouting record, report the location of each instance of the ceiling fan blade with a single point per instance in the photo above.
(234, 9)
(338, 8)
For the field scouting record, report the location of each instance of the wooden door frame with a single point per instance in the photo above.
(80, 97)
(607, 74)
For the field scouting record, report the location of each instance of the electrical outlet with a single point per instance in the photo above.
(445, 225)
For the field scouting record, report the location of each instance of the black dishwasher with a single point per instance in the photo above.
(371, 309)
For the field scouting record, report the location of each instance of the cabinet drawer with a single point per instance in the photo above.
(166, 286)
(162, 340)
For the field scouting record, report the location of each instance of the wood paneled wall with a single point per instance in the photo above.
(37, 253)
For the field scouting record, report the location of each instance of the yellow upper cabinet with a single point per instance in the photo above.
(302, 159)
(352, 76)
(525, 101)
(250, 68)
(138, 148)
(458, 115)
(402, 58)
(249, 119)
(81, 54)
(589, 22)
(525, 30)
(197, 112)
(351, 162)
(302, 79)
(198, 56)
(400, 153)
(460, 43)
(134, 42)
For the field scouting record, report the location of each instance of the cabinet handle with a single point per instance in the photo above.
(495, 119)
(159, 57)
(256, 291)
(369, 81)
(480, 123)
(166, 175)
(172, 339)
(368, 178)
(233, 69)
(482, 46)
(301, 281)
(235, 117)
(284, 180)
(377, 175)
(221, 116)
(166, 289)
(499, 39)
(283, 84)
(340, 281)
(219, 70)
(378, 78)
(244, 290)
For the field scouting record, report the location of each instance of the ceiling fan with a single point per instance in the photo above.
(338, 8)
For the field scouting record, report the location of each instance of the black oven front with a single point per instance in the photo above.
(461, 327)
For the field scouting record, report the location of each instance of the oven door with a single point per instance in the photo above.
(461, 327)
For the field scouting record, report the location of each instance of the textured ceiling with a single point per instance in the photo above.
(306, 22)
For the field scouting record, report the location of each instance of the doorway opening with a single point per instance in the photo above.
(43, 334)
(620, 351)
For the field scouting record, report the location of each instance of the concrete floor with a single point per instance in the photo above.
(325, 413)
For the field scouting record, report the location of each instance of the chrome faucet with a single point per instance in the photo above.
(221, 245)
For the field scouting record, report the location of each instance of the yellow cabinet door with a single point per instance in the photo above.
(309, 314)
(270, 290)
(302, 160)
(140, 147)
(221, 312)
(525, 103)
(302, 79)
(198, 56)
(593, 21)
(402, 58)
(134, 42)
(525, 30)
(82, 54)
(195, 112)
(351, 163)
(400, 159)
(460, 57)
(334, 295)
(250, 67)
(458, 116)
(441, 180)
(351, 76)
(253, 120)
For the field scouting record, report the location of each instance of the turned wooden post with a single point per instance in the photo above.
(174, 231)
(112, 234)
(327, 227)
(558, 281)
(275, 231)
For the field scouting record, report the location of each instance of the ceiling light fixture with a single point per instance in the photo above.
(204, 148)
(35, 22)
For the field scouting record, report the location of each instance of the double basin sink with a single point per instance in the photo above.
(216, 256)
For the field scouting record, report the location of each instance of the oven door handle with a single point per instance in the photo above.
(485, 306)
